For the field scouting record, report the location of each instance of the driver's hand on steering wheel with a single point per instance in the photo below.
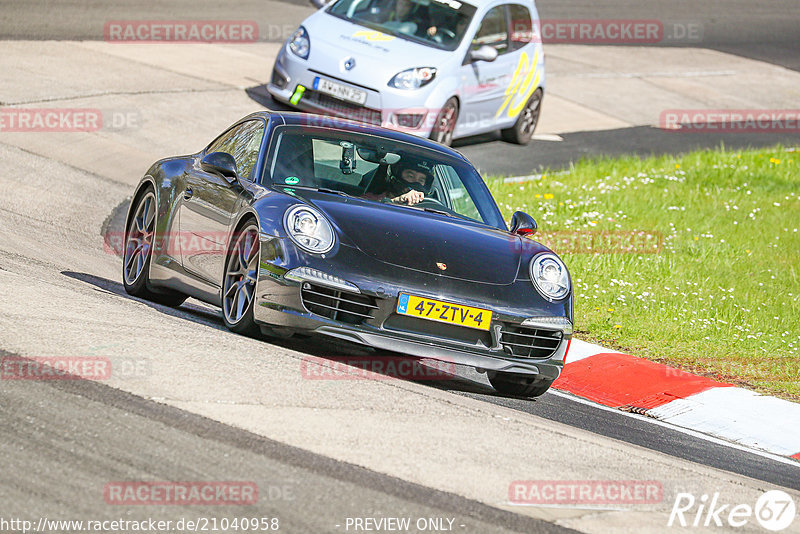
(411, 198)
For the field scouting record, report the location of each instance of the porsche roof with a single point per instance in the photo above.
(324, 121)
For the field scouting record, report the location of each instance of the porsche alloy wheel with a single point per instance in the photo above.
(239, 286)
(446, 123)
(139, 239)
(138, 252)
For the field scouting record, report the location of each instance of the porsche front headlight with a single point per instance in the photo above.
(550, 276)
(309, 229)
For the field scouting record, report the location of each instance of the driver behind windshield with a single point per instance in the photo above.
(407, 182)
(434, 23)
(411, 12)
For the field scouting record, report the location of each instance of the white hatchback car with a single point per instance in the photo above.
(442, 69)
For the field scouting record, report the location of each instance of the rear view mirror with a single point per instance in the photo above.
(484, 53)
(377, 156)
(523, 224)
(390, 158)
(319, 4)
(220, 163)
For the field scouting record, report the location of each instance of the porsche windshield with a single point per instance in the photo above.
(381, 170)
(438, 23)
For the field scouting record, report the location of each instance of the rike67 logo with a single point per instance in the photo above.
(774, 510)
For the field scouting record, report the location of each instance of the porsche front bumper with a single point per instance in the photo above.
(368, 316)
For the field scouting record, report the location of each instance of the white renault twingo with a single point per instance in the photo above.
(442, 69)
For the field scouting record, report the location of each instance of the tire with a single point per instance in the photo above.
(442, 131)
(239, 281)
(518, 385)
(138, 252)
(523, 129)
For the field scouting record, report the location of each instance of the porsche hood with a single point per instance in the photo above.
(411, 239)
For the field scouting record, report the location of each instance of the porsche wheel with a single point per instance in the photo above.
(522, 131)
(138, 250)
(518, 385)
(239, 285)
(446, 122)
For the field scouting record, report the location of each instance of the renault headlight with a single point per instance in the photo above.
(309, 229)
(550, 276)
(413, 78)
(300, 44)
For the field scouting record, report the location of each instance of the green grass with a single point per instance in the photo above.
(721, 297)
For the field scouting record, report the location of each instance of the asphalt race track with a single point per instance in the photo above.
(292, 481)
(194, 402)
(763, 31)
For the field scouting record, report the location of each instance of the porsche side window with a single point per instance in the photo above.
(219, 144)
(493, 31)
(458, 198)
(521, 26)
(246, 149)
(243, 143)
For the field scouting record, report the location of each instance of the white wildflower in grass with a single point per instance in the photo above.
(720, 288)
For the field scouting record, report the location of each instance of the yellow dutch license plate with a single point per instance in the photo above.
(444, 312)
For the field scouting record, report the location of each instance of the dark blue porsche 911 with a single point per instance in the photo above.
(295, 223)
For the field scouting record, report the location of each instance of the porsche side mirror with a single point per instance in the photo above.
(523, 224)
(220, 163)
(484, 53)
(319, 4)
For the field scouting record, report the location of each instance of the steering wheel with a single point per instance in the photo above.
(409, 28)
(432, 203)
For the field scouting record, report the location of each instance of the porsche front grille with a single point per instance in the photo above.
(529, 342)
(449, 332)
(336, 304)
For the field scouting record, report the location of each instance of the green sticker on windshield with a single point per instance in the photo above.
(291, 180)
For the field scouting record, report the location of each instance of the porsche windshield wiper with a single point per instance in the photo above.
(332, 191)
